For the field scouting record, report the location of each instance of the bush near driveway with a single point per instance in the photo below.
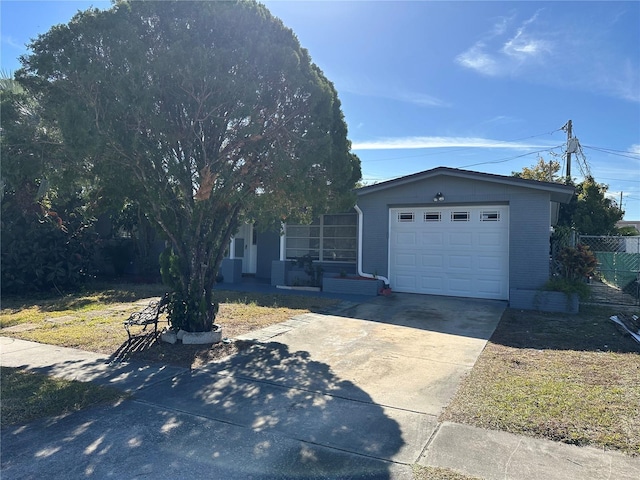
(567, 378)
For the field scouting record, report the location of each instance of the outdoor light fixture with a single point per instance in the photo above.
(439, 197)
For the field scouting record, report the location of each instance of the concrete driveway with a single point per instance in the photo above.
(350, 395)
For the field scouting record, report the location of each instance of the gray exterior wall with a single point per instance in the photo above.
(268, 251)
(529, 217)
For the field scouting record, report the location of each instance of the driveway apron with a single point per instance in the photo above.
(355, 394)
(370, 380)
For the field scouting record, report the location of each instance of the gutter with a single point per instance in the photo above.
(360, 272)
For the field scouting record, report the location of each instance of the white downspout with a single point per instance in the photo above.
(360, 272)
(283, 242)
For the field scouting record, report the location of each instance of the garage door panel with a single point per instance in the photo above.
(489, 287)
(406, 239)
(432, 261)
(431, 239)
(459, 258)
(491, 239)
(460, 239)
(405, 282)
(432, 285)
(461, 262)
(491, 263)
(404, 260)
(460, 286)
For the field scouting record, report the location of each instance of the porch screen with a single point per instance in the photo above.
(331, 238)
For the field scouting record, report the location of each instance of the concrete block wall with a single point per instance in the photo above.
(231, 270)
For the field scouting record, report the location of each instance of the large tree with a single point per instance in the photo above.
(541, 171)
(209, 113)
(590, 212)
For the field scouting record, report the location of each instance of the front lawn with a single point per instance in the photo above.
(93, 321)
(27, 396)
(570, 378)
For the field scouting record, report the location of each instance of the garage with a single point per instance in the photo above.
(460, 251)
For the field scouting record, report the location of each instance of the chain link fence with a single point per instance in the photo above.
(617, 277)
(561, 238)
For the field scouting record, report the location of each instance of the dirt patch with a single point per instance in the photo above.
(150, 348)
(61, 320)
(22, 327)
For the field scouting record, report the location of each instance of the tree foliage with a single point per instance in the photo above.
(590, 212)
(541, 171)
(207, 114)
(46, 237)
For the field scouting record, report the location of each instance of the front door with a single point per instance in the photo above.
(246, 248)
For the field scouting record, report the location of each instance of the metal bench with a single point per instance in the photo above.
(148, 315)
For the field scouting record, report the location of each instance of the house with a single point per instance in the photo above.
(443, 231)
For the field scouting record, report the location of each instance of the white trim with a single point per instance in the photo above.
(232, 248)
(283, 242)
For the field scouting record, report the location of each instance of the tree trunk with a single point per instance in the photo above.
(192, 307)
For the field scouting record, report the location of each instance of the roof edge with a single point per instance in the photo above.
(559, 192)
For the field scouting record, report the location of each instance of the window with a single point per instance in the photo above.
(331, 238)
(406, 216)
(490, 216)
(459, 216)
(432, 216)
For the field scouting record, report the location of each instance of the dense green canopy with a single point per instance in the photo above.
(207, 113)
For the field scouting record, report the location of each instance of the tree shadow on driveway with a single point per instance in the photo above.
(219, 423)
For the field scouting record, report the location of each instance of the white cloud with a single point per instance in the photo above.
(578, 51)
(367, 88)
(635, 149)
(526, 46)
(403, 143)
(477, 59)
(496, 55)
(10, 41)
(420, 99)
(524, 43)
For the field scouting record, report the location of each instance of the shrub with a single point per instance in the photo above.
(568, 287)
(578, 263)
(41, 254)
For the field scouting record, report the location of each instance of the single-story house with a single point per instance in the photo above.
(443, 231)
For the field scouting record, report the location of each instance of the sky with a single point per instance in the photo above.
(483, 86)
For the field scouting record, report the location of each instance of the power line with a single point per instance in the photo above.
(620, 179)
(631, 155)
(502, 160)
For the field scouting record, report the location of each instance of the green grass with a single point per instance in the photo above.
(28, 396)
(573, 379)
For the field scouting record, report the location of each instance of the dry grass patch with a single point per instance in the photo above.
(93, 321)
(573, 379)
(434, 473)
(27, 396)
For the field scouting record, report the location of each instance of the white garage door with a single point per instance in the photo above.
(454, 251)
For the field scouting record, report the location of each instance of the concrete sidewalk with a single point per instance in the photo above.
(150, 435)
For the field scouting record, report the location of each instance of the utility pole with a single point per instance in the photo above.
(620, 204)
(568, 127)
